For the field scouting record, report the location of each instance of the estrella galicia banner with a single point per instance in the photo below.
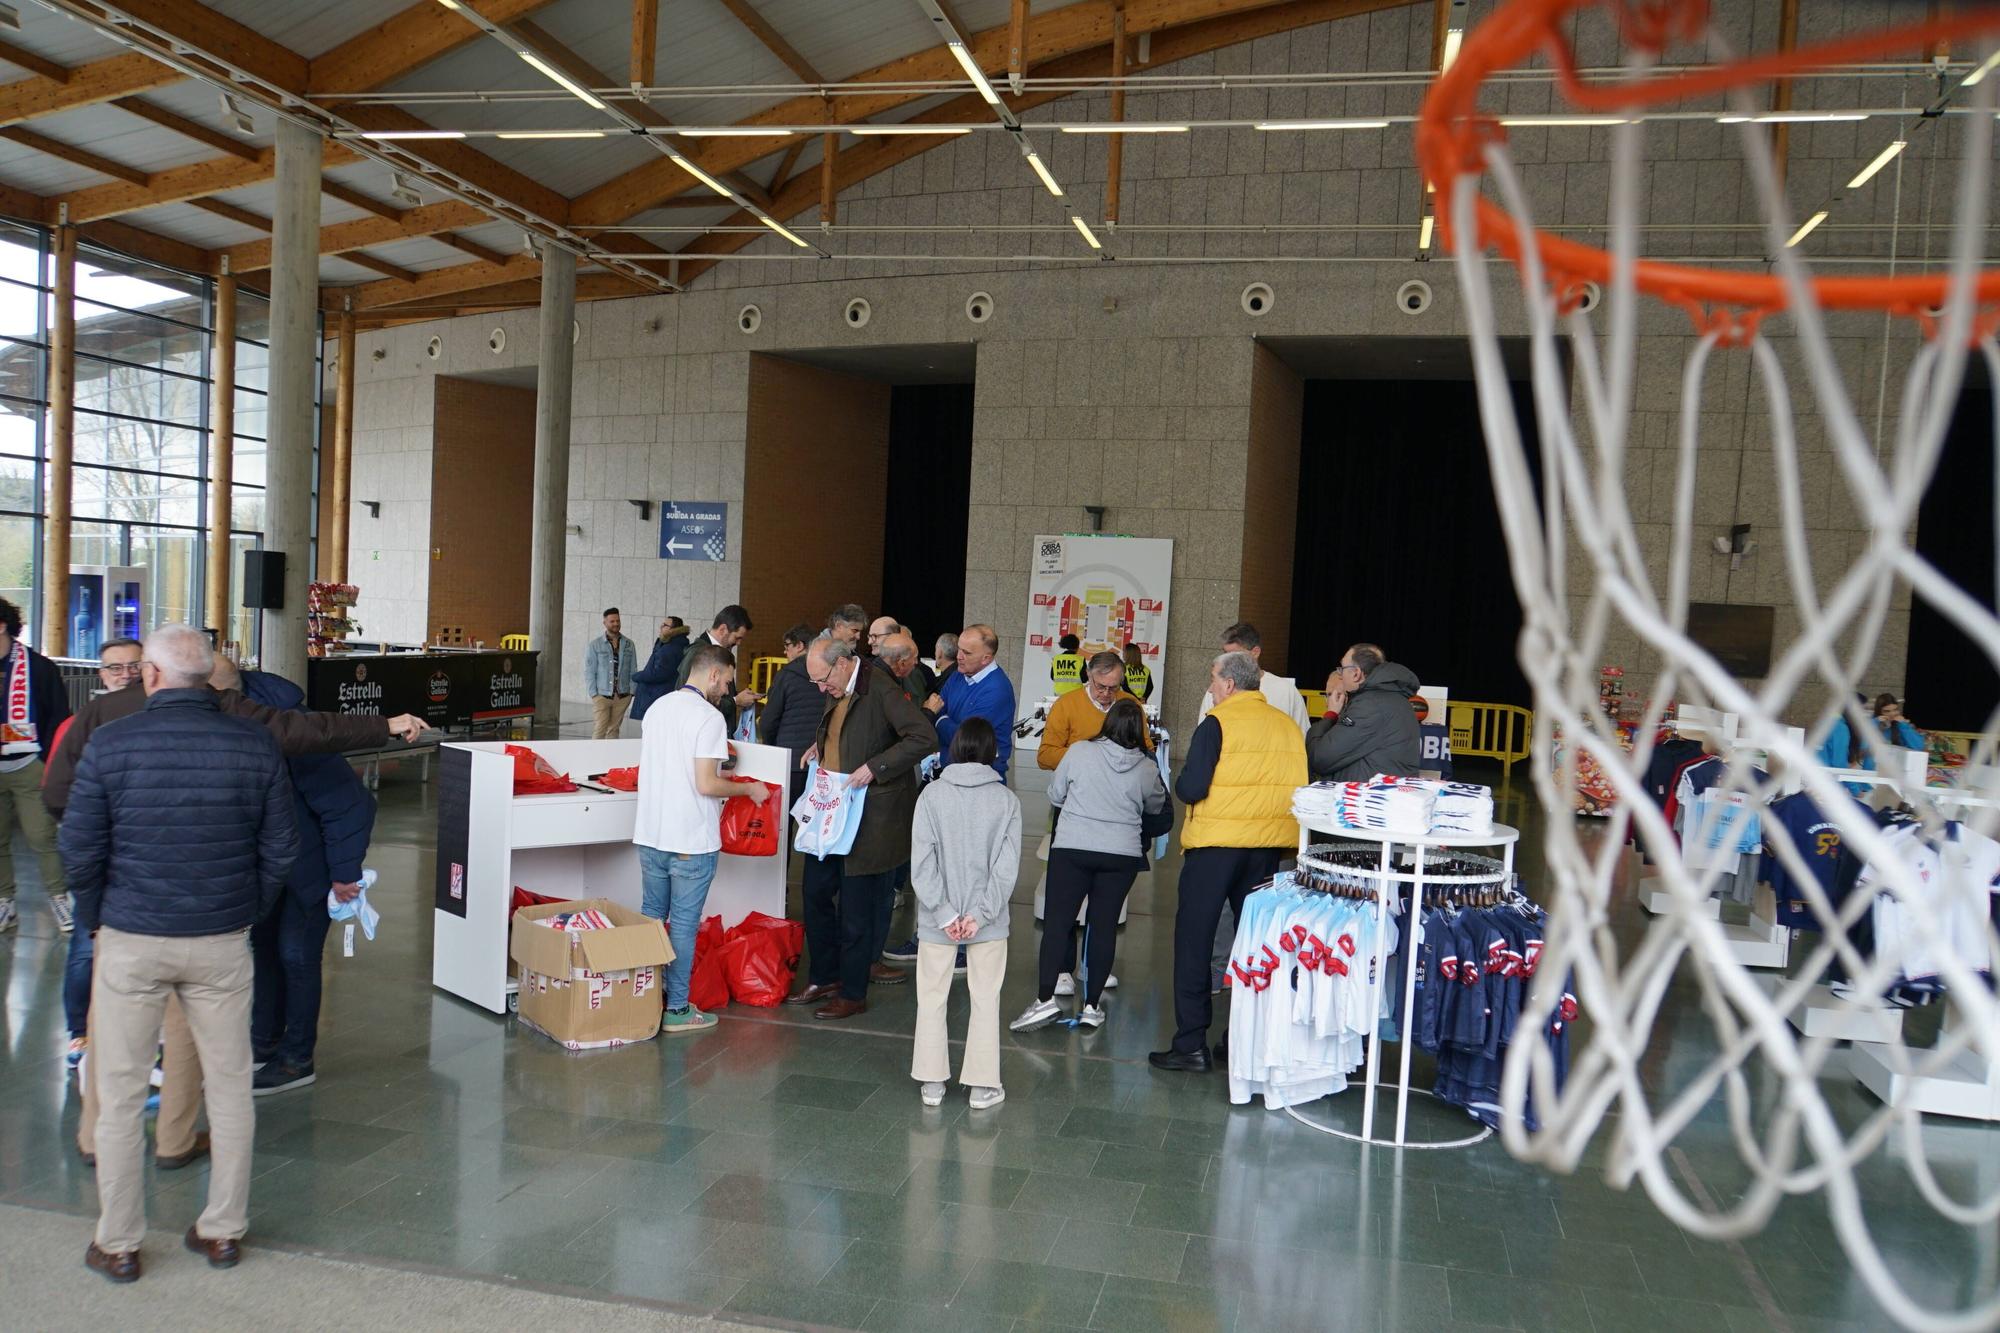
(444, 689)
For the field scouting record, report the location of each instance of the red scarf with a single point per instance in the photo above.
(17, 732)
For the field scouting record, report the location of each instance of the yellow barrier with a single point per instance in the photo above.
(1491, 731)
(1961, 742)
(1315, 703)
(513, 643)
(764, 670)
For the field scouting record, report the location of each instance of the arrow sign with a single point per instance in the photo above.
(694, 530)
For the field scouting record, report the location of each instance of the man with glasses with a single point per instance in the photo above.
(1371, 727)
(118, 663)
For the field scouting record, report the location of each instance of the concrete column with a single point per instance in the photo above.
(548, 557)
(343, 452)
(54, 638)
(294, 352)
(221, 457)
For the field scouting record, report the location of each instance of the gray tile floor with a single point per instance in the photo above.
(780, 1169)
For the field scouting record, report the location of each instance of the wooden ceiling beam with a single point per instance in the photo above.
(773, 40)
(34, 64)
(227, 210)
(81, 157)
(444, 282)
(576, 67)
(216, 175)
(645, 41)
(785, 165)
(1017, 43)
(362, 259)
(207, 33)
(188, 129)
(473, 248)
(85, 85)
(367, 203)
(405, 42)
(112, 235)
(340, 237)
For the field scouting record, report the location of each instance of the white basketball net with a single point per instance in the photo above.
(1583, 581)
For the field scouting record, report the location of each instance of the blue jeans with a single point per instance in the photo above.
(675, 891)
(288, 946)
(76, 981)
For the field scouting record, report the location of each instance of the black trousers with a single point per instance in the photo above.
(1210, 877)
(819, 900)
(847, 922)
(1076, 877)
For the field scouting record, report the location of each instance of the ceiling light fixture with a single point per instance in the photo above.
(1035, 161)
(576, 89)
(452, 5)
(1088, 234)
(1551, 121)
(783, 231)
(1122, 127)
(731, 132)
(1978, 76)
(413, 134)
(1807, 229)
(550, 134)
(973, 72)
(1452, 38)
(702, 176)
(404, 190)
(10, 18)
(233, 112)
(908, 128)
(1882, 159)
(1271, 125)
(1424, 232)
(1807, 117)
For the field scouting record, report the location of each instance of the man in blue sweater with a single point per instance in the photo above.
(979, 688)
(336, 818)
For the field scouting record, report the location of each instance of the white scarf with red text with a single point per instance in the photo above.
(17, 732)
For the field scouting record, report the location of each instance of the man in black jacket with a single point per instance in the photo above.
(199, 810)
(1373, 729)
(792, 706)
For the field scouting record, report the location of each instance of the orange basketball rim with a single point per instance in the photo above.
(1452, 134)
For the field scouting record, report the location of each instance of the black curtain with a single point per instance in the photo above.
(930, 500)
(1399, 539)
(1951, 683)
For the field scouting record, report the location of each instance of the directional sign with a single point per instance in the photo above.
(694, 530)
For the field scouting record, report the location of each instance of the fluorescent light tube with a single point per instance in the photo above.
(702, 176)
(1322, 124)
(1088, 234)
(1424, 232)
(550, 134)
(1978, 76)
(731, 132)
(576, 89)
(1882, 159)
(906, 128)
(1807, 229)
(1042, 171)
(1452, 38)
(782, 230)
(450, 4)
(1799, 117)
(413, 134)
(973, 72)
(1524, 121)
(1121, 127)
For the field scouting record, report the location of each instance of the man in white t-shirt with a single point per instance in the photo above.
(1281, 692)
(678, 825)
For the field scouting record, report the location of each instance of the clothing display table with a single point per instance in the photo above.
(574, 845)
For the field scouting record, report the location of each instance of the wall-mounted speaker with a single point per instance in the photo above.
(264, 580)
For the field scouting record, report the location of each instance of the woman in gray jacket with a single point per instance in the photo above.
(1104, 787)
(965, 854)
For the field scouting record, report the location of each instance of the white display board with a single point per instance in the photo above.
(1108, 591)
(574, 845)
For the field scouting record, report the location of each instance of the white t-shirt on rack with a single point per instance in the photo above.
(673, 815)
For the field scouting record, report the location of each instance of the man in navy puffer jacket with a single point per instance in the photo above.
(336, 818)
(178, 836)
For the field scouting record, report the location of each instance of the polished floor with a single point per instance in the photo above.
(779, 1170)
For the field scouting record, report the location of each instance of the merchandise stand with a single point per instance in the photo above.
(1388, 882)
(1967, 1088)
(574, 845)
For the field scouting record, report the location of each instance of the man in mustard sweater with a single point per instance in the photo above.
(1243, 764)
(1078, 716)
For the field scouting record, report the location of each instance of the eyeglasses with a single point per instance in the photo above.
(121, 668)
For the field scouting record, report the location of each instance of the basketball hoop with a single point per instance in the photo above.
(1590, 595)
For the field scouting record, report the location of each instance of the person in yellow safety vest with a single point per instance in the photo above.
(1138, 676)
(1066, 667)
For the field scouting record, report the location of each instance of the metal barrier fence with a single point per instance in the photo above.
(1491, 731)
(764, 670)
(80, 678)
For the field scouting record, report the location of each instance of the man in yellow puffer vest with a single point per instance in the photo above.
(1243, 764)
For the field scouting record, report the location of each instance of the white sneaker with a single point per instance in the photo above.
(983, 1098)
(1111, 981)
(1065, 985)
(8, 916)
(1037, 1015)
(59, 903)
(1092, 1016)
(933, 1094)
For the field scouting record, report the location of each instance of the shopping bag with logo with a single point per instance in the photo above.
(750, 829)
(708, 984)
(534, 776)
(828, 813)
(746, 726)
(760, 956)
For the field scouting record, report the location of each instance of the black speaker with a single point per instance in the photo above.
(264, 579)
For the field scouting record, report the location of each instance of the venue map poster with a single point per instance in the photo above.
(1108, 591)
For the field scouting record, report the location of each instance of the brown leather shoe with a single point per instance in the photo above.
(813, 995)
(842, 1007)
(881, 974)
(116, 1267)
(220, 1253)
(195, 1153)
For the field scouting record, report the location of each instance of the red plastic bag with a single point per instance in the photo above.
(623, 779)
(527, 898)
(533, 775)
(750, 829)
(708, 987)
(760, 957)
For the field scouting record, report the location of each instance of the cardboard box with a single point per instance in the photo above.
(591, 988)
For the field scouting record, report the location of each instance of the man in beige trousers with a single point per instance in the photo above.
(198, 807)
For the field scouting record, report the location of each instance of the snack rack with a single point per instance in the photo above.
(327, 615)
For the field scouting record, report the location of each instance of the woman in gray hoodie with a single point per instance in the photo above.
(1104, 787)
(965, 854)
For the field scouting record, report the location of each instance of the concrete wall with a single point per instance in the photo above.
(1132, 385)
